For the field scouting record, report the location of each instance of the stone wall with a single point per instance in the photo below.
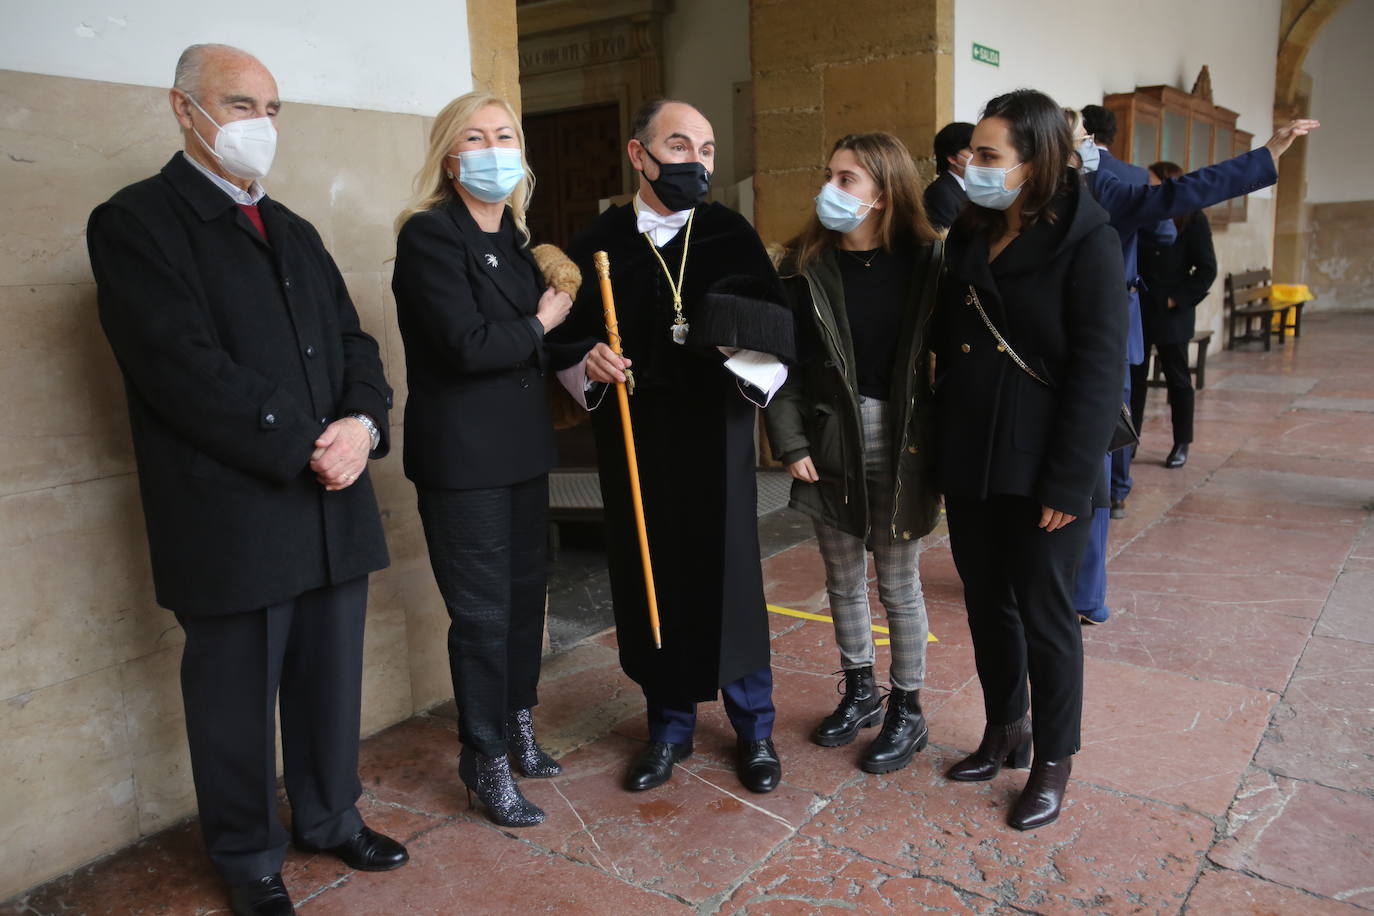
(1340, 270)
(94, 751)
(825, 68)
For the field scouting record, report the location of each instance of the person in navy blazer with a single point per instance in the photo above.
(473, 310)
(1132, 207)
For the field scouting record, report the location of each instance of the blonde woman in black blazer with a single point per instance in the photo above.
(473, 310)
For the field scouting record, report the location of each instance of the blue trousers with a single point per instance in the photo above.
(1090, 588)
(1121, 458)
(748, 703)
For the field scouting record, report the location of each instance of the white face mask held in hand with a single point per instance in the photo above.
(245, 148)
(841, 211)
(987, 187)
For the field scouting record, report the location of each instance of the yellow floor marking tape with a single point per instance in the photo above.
(807, 615)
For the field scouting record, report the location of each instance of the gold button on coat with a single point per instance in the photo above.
(965, 347)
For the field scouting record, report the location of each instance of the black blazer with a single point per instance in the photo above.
(1184, 270)
(476, 414)
(235, 354)
(944, 200)
(1055, 294)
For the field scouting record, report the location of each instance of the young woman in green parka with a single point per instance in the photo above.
(853, 423)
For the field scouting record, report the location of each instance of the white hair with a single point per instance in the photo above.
(189, 65)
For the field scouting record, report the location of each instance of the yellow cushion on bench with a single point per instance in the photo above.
(1290, 293)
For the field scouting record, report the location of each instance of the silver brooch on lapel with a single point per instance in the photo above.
(491, 261)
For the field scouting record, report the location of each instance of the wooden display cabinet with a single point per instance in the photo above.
(1156, 123)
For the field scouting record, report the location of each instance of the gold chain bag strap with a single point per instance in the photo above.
(1123, 435)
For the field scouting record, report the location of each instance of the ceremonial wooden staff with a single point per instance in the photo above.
(603, 270)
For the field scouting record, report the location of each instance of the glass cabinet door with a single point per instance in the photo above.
(1145, 143)
(1174, 147)
(1200, 145)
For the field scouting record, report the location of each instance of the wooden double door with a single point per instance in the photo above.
(577, 161)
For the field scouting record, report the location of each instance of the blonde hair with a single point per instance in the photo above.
(432, 186)
(1074, 117)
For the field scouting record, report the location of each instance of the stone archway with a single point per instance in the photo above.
(1300, 23)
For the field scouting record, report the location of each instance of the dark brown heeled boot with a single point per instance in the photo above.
(1001, 743)
(1043, 795)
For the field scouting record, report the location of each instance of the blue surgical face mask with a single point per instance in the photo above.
(841, 211)
(987, 187)
(1089, 153)
(490, 174)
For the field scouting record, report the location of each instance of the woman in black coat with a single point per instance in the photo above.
(1176, 278)
(473, 310)
(1033, 275)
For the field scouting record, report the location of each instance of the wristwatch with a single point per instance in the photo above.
(370, 425)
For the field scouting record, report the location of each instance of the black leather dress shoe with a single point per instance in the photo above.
(1118, 509)
(366, 850)
(1178, 456)
(264, 897)
(757, 764)
(654, 765)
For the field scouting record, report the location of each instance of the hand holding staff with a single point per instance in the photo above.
(603, 269)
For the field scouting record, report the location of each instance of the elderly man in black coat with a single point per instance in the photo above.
(255, 400)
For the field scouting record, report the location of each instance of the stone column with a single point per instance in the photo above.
(493, 39)
(826, 68)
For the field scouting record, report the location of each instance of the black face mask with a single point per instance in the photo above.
(679, 185)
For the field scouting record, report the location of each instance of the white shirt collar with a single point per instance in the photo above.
(959, 178)
(660, 228)
(254, 193)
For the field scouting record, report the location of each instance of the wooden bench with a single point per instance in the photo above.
(1251, 315)
(1198, 367)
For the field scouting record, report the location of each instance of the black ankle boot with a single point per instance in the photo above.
(1010, 743)
(1043, 795)
(491, 779)
(1178, 456)
(904, 733)
(525, 753)
(860, 708)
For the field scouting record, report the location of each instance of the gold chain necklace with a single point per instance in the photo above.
(680, 326)
(866, 262)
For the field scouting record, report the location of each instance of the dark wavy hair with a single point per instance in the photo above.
(1043, 142)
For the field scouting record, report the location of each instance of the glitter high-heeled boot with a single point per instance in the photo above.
(491, 779)
(524, 751)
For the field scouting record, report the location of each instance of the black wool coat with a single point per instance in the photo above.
(476, 414)
(694, 434)
(1055, 294)
(236, 353)
(1184, 271)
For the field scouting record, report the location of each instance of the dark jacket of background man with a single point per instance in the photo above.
(236, 353)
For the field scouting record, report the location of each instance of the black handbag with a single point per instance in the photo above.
(1124, 434)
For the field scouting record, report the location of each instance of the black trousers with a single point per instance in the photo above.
(1173, 359)
(305, 655)
(1018, 589)
(488, 548)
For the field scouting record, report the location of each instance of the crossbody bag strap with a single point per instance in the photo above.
(1002, 345)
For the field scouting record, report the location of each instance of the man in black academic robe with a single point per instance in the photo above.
(698, 375)
(255, 400)
(945, 196)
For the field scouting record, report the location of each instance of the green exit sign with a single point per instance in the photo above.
(985, 55)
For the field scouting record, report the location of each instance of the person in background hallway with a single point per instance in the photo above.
(1100, 125)
(705, 334)
(945, 197)
(1131, 208)
(473, 310)
(1090, 587)
(255, 400)
(1030, 347)
(1176, 278)
(855, 419)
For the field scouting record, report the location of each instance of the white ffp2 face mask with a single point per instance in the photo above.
(245, 148)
